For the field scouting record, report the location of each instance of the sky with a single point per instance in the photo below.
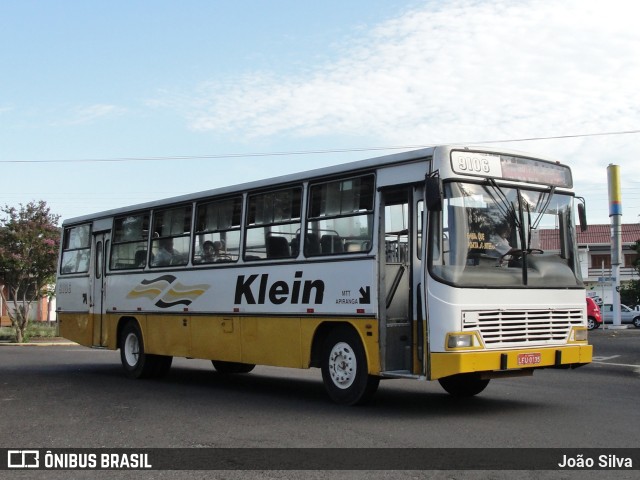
(105, 104)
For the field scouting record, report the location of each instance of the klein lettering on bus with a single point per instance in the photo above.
(279, 291)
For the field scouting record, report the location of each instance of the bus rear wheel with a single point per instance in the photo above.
(464, 384)
(344, 368)
(232, 367)
(137, 363)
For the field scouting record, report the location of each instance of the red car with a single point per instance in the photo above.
(594, 319)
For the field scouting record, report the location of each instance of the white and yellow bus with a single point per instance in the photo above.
(427, 264)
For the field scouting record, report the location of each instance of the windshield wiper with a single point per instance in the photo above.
(504, 205)
(541, 212)
(544, 208)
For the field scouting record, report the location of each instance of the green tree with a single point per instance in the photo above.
(630, 293)
(29, 240)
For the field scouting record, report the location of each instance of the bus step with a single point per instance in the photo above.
(400, 374)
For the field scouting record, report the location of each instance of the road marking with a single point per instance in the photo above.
(635, 367)
(600, 359)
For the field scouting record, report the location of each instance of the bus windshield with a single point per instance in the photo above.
(493, 236)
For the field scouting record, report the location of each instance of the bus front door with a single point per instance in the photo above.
(96, 302)
(398, 263)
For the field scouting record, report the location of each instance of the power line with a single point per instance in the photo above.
(308, 152)
(560, 137)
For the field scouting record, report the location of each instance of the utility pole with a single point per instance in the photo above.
(615, 214)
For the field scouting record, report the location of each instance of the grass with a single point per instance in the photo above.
(34, 330)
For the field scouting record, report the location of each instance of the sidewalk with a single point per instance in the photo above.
(39, 342)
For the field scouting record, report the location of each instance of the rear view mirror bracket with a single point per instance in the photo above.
(433, 192)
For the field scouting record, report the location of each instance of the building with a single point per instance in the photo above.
(41, 311)
(595, 256)
(596, 241)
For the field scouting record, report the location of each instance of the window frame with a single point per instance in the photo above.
(183, 258)
(66, 238)
(366, 244)
(225, 258)
(117, 242)
(251, 214)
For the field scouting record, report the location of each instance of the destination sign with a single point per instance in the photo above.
(508, 167)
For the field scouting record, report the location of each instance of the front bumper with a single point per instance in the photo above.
(503, 362)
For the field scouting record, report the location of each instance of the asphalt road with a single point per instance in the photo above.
(75, 397)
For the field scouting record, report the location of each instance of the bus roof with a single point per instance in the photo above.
(376, 162)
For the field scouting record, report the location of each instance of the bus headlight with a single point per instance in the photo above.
(460, 340)
(580, 334)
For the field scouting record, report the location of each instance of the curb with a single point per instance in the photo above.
(62, 343)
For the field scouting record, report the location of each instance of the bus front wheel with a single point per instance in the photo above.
(137, 363)
(344, 368)
(464, 384)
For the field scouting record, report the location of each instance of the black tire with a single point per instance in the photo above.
(636, 322)
(344, 368)
(464, 384)
(137, 363)
(591, 323)
(232, 367)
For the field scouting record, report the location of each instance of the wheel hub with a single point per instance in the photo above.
(131, 349)
(342, 365)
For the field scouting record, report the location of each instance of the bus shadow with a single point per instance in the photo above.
(435, 402)
(265, 390)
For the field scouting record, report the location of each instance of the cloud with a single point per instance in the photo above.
(90, 114)
(451, 71)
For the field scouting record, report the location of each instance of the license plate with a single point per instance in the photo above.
(525, 359)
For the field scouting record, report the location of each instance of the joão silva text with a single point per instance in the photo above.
(604, 461)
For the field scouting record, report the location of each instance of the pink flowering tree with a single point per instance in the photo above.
(29, 241)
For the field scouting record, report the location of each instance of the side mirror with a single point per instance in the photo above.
(582, 215)
(433, 194)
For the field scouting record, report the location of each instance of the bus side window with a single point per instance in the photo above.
(273, 224)
(340, 214)
(217, 237)
(172, 236)
(129, 244)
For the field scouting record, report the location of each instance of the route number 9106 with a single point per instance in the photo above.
(476, 164)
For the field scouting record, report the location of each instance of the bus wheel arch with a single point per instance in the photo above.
(136, 362)
(345, 370)
(319, 337)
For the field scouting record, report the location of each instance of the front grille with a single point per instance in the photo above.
(509, 328)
